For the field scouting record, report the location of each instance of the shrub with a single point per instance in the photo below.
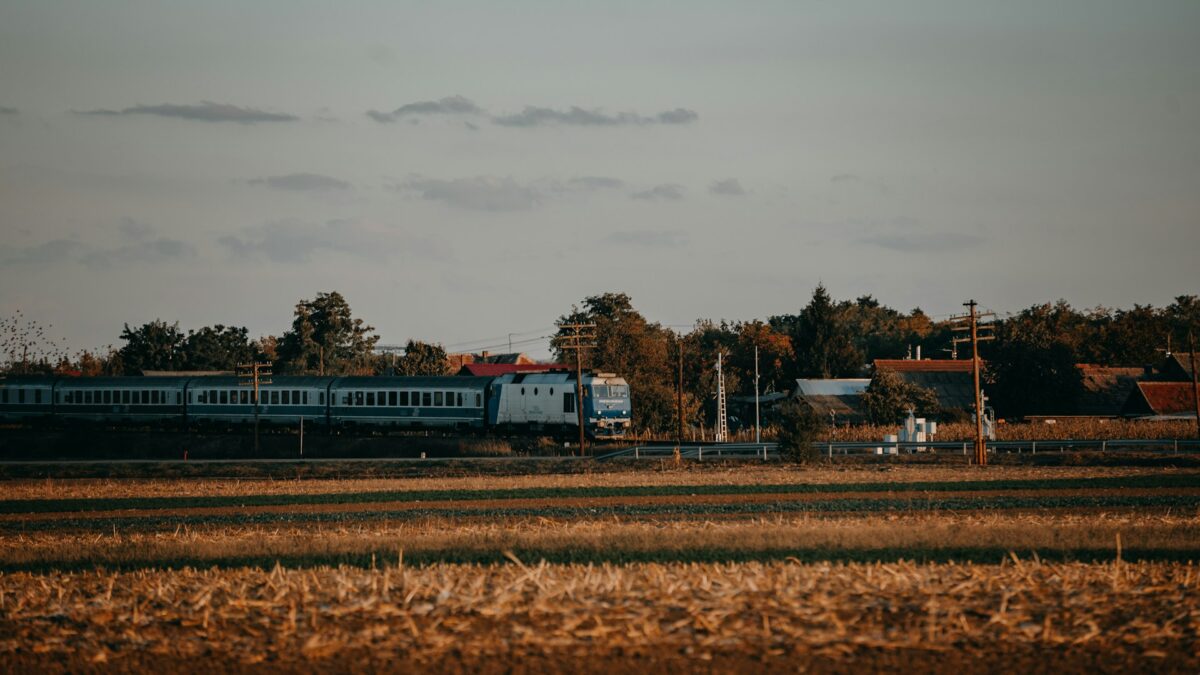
(799, 427)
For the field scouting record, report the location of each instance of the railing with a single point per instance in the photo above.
(764, 451)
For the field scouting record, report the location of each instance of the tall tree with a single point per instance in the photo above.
(1031, 364)
(157, 345)
(888, 398)
(420, 358)
(218, 347)
(326, 339)
(822, 342)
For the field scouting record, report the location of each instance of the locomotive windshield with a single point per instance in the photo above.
(610, 391)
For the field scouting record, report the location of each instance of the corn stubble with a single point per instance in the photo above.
(781, 609)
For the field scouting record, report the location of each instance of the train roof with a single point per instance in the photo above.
(226, 381)
(399, 382)
(27, 380)
(132, 382)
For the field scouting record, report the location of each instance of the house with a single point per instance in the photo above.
(1106, 389)
(951, 379)
(496, 369)
(457, 361)
(1178, 367)
(1161, 399)
(839, 400)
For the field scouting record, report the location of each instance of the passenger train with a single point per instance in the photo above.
(513, 402)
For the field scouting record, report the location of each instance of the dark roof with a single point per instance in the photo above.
(131, 382)
(845, 408)
(1161, 398)
(924, 365)
(1179, 366)
(494, 369)
(313, 381)
(1106, 389)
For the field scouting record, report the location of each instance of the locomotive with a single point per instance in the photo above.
(509, 403)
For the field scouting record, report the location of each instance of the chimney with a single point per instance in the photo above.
(918, 352)
(483, 358)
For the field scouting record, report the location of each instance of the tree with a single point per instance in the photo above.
(326, 339)
(157, 345)
(1031, 364)
(799, 427)
(422, 358)
(218, 348)
(822, 342)
(889, 397)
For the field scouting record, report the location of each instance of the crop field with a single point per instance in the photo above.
(755, 568)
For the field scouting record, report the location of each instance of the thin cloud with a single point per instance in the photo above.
(58, 251)
(295, 241)
(301, 182)
(480, 193)
(666, 191)
(534, 116)
(5, 110)
(845, 178)
(134, 229)
(648, 239)
(206, 111)
(54, 251)
(729, 187)
(450, 105)
(596, 183)
(934, 242)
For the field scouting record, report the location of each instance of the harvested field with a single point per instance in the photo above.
(760, 568)
(1117, 618)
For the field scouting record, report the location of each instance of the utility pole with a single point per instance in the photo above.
(721, 434)
(679, 392)
(757, 428)
(970, 322)
(575, 340)
(254, 374)
(1195, 380)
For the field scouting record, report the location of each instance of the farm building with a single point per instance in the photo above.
(950, 379)
(1106, 389)
(1161, 399)
(1178, 367)
(839, 400)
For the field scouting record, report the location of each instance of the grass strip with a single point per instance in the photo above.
(384, 557)
(992, 503)
(159, 503)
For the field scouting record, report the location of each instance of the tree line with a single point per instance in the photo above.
(1030, 365)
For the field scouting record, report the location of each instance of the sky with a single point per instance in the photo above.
(462, 171)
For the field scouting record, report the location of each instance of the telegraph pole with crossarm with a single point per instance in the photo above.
(578, 341)
(254, 374)
(970, 322)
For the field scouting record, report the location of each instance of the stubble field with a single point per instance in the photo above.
(746, 568)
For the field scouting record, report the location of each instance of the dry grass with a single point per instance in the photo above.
(649, 475)
(602, 539)
(774, 610)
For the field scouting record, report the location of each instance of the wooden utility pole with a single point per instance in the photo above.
(970, 322)
(253, 375)
(1195, 380)
(575, 340)
(679, 392)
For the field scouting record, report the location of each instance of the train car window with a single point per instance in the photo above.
(568, 403)
(321, 398)
(295, 397)
(20, 396)
(145, 396)
(426, 399)
(437, 398)
(123, 397)
(460, 399)
(3, 396)
(154, 396)
(535, 391)
(381, 398)
(287, 397)
(345, 399)
(522, 391)
(404, 398)
(358, 398)
(87, 397)
(244, 397)
(305, 395)
(275, 398)
(107, 396)
(392, 398)
(37, 395)
(212, 396)
(370, 398)
(478, 400)
(551, 391)
(223, 397)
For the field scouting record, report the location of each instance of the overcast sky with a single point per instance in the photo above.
(461, 171)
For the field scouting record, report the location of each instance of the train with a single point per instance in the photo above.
(538, 402)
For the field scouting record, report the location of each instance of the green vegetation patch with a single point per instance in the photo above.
(414, 496)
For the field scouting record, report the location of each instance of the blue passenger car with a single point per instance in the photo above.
(26, 398)
(409, 402)
(120, 399)
(285, 400)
